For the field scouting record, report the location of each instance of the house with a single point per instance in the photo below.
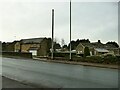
(97, 48)
(112, 49)
(16, 46)
(80, 48)
(100, 51)
(27, 44)
(33, 50)
(36, 46)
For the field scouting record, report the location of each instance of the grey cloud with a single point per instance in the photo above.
(89, 20)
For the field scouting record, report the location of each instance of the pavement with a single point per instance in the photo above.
(80, 63)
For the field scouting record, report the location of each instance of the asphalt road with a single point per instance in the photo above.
(9, 83)
(57, 75)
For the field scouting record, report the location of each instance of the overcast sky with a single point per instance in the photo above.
(32, 19)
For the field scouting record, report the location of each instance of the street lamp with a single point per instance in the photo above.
(70, 30)
(52, 33)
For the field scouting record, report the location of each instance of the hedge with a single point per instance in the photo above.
(91, 59)
(17, 54)
(62, 54)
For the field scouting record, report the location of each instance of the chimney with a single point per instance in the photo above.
(99, 41)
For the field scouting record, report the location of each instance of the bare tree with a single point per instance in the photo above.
(56, 40)
(62, 42)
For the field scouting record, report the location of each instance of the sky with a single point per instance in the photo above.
(93, 20)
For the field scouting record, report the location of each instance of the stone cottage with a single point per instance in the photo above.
(97, 48)
(37, 46)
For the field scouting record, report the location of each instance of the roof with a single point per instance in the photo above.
(101, 50)
(32, 40)
(99, 45)
(87, 45)
(109, 46)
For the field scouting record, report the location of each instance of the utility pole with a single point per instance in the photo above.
(70, 29)
(52, 33)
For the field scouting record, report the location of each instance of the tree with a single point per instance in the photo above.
(57, 46)
(74, 44)
(49, 42)
(84, 41)
(65, 46)
(62, 42)
(4, 46)
(86, 51)
(113, 43)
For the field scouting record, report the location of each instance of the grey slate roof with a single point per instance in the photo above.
(101, 50)
(98, 45)
(32, 40)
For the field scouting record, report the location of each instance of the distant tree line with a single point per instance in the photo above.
(113, 43)
(74, 44)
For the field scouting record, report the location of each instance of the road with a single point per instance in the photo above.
(58, 75)
(9, 83)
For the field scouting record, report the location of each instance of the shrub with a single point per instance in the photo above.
(86, 52)
(94, 59)
(56, 54)
(111, 60)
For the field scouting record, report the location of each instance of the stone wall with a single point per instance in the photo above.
(42, 51)
(25, 47)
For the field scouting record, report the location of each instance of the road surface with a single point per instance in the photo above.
(58, 75)
(9, 83)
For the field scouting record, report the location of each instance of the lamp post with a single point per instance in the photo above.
(52, 33)
(70, 30)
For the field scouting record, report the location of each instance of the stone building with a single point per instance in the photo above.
(36, 46)
(97, 48)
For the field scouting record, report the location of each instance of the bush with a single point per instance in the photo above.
(111, 60)
(86, 52)
(94, 59)
(81, 59)
(17, 54)
(56, 54)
